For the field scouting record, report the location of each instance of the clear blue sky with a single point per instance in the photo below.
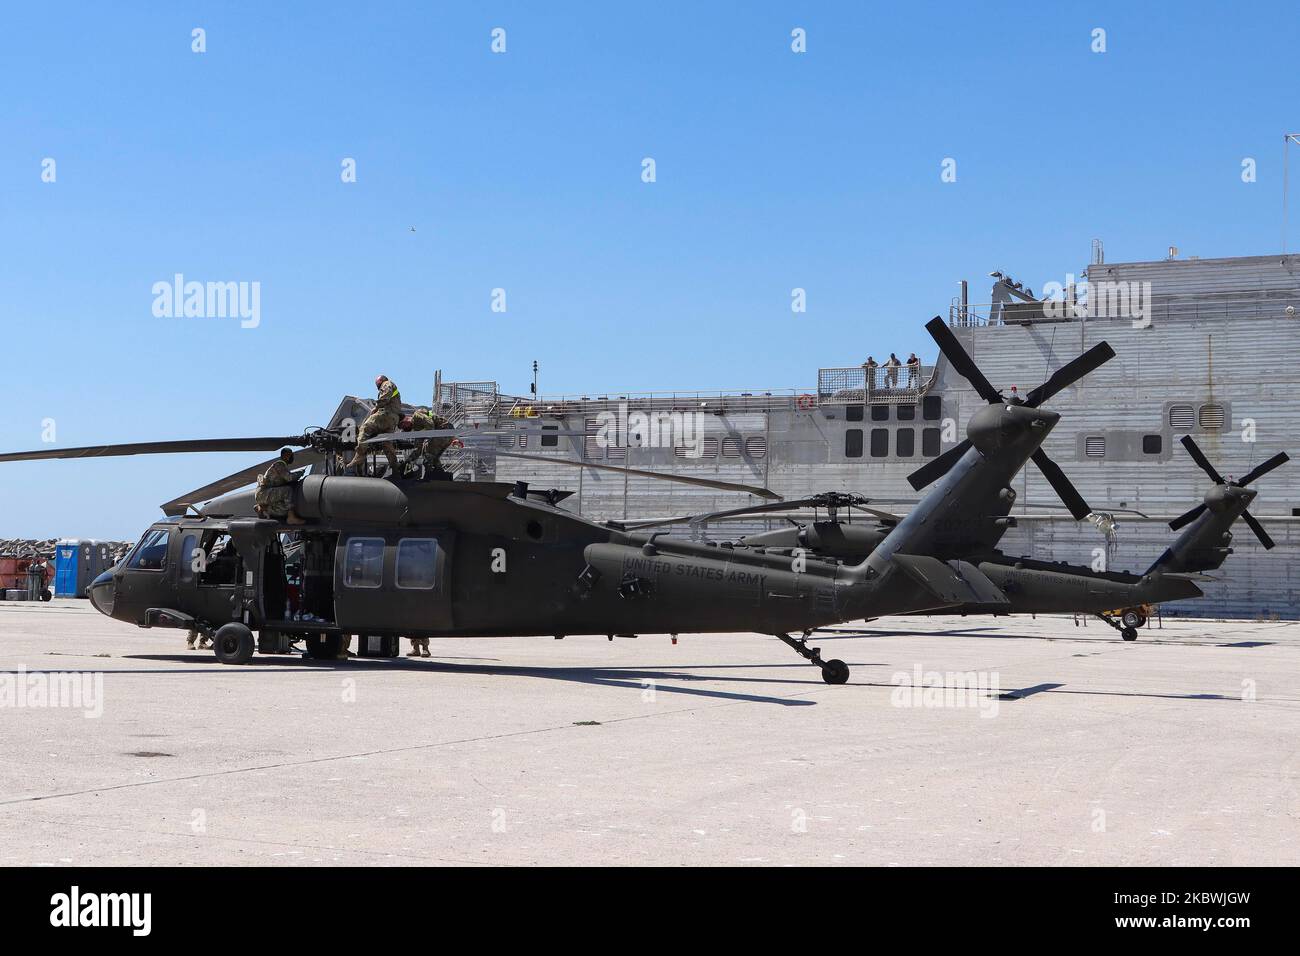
(523, 171)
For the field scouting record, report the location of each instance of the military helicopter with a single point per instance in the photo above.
(385, 558)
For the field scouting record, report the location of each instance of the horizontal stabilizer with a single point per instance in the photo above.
(954, 583)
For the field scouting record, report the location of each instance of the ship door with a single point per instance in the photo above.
(397, 583)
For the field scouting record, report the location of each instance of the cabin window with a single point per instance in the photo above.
(189, 544)
(363, 563)
(906, 413)
(853, 443)
(1180, 417)
(220, 560)
(151, 553)
(1152, 444)
(905, 442)
(930, 442)
(756, 447)
(1094, 446)
(550, 440)
(417, 563)
(931, 408)
(879, 442)
(880, 413)
(853, 413)
(1212, 416)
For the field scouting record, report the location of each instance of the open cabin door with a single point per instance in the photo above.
(395, 583)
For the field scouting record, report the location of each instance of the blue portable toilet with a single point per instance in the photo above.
(77, 562)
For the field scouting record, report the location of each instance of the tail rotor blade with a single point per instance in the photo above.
(1259, 471)
(1258, 528)
(1071, 372)
(1062, 485)
(936, 468)
(1187, 517)
(961, 360)
(1198, 456)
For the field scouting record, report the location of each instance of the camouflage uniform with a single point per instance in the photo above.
(384, 419)
(431, 449)
(275, 488)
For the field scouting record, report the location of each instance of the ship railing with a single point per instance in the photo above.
(1269, 304)
(711, 402)
(882, 385)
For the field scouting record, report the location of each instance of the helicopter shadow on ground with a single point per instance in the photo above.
(631, 678)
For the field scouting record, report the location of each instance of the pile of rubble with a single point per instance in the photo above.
(31, 548)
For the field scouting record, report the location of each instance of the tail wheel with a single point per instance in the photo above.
(835, 672)
(46, 594)
(1129, 634)
(233, 643)
(1133, 619)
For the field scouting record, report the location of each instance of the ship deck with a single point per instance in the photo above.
(723, 749)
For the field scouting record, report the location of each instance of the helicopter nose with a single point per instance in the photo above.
(100, 593)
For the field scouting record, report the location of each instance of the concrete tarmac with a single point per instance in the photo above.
(1027, 742)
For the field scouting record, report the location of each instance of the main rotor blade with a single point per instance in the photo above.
(1258, 528)
(1070, 372)
(961, 360)
(1281, 458)
(682, 479)
(936, 468)
(1062, 485)
(158, 448)
(793, 505)
(1187, 517)
(1198, 456)
(239, 479)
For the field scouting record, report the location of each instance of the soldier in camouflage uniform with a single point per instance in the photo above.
(275, 488)
(386, 418)
(419, 647)
(430, 450)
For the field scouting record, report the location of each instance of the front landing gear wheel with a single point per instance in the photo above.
(233, 643)
(835, 672)
(1129, 634)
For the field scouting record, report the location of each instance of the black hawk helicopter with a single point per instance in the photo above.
(386, 558)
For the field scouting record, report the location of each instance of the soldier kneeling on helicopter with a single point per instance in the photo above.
(275, 488)
(429, 451)
(384, 419)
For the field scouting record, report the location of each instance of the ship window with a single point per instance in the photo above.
(508, 439)
(1152, 444)
(853, 413)
(1094, 446)
(930, 442)
(550, 441)
(710, 448)
(363, 563)
(417, 563)
(1211, 416)
(731, 447)
(880, 413)
(591, 445)
(879, 442)
(853, 443)
(931, 408)
(756, 447)
(1180, 417)
(906, 413)
(151, 553)
(905, 442)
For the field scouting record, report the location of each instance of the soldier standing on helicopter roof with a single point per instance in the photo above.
(275, 490)
(384, 419)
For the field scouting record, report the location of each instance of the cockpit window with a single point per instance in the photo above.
(151, 553)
